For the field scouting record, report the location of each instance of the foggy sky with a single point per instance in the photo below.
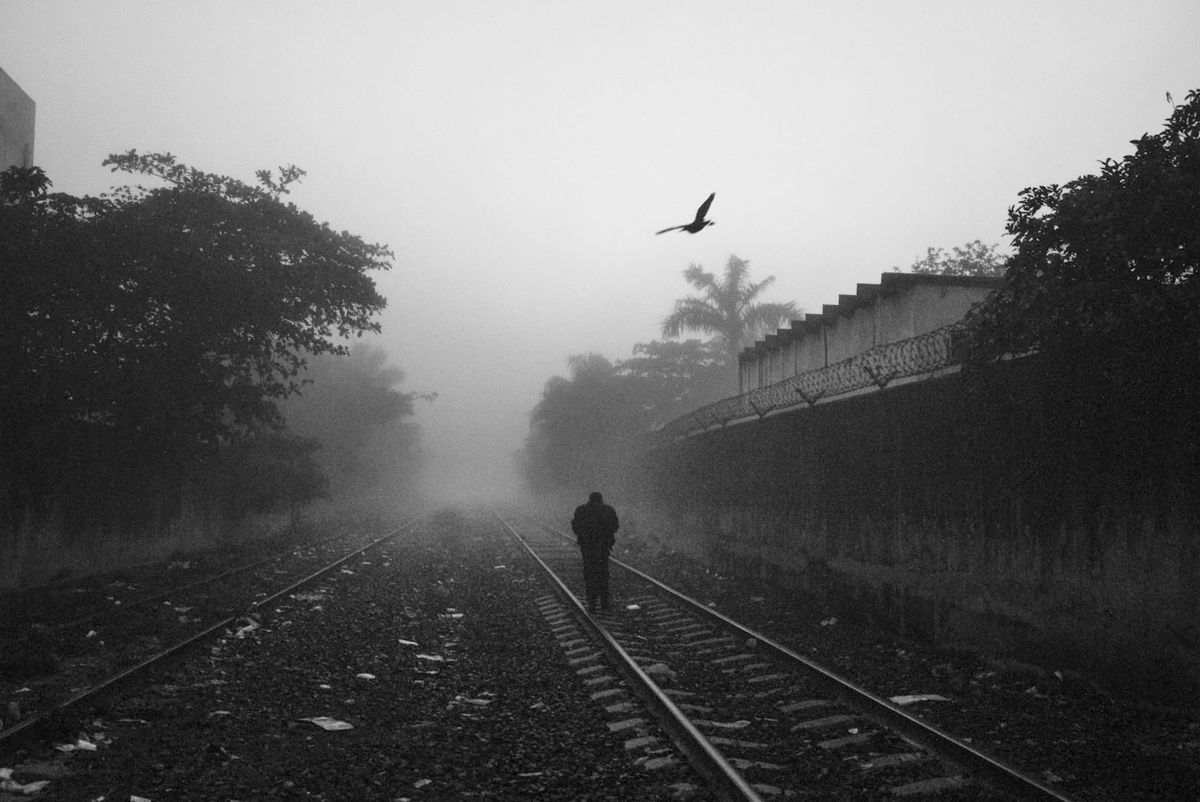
(519, 156)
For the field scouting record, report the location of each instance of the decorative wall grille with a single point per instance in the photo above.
(876, 367)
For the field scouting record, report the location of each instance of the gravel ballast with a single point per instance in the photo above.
(431, 649)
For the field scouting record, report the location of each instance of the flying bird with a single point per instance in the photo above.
(696, 224)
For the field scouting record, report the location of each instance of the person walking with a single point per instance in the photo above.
(595, 526)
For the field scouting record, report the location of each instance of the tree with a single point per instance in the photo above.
(584, 429)
(1102, 301)
(353, 408)
(679, 376)
(1107, 264)
(147, 326)
(729, 308)
(971, 259)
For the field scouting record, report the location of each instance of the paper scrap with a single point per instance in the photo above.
(327, 723)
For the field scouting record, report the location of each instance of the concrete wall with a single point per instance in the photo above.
(994, 514)
(17, 111)
(900, 307)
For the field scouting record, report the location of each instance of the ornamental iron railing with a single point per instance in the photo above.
(875, 367)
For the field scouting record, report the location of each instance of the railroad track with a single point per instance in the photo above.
(754, 718)
(158, 633)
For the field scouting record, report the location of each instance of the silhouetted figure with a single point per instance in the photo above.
(696, 224)
(595, 526)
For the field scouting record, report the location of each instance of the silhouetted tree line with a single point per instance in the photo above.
(587, 431)
(148, 336)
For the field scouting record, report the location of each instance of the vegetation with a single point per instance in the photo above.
(1107, 267)
(584, 429)
(971, 259)
(680, 376)
(1103, 297)
(147, 330)
(728, 309)
(353, 408)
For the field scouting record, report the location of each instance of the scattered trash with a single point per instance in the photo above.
(81, 744)
(499, 567)
(220, 713)
(249, 626)
(347, 571)
(408, 642)
(364, 675)
(632, 607)
(421, 783)
(313, 596)
(853, 730)
(539, 706)
(758, 598)
(828, 622)
(464, 700)
(1051, 777)
(327, 723)
(134, 798)
(531, 774)
(91, 633)
(918, 697)
(437, 658)
(661, 671)
(751, 643)
(325, 687)
(11, 786)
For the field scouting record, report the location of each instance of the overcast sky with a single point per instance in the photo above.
(519, 156)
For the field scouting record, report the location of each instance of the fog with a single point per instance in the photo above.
(519, 156)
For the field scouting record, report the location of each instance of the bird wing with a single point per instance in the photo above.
(672, 228)
(703, 210)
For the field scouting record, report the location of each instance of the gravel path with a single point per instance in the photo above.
(432, 650)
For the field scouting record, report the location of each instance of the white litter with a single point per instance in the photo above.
(437, 658)
(364, 675)
(11, 786)
(408, 643)
(632, 607)
(82, 744)
(918, 697)
(327, 723)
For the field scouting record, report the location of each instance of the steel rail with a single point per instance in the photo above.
(30, 727)
(722, 777)
(972, 760)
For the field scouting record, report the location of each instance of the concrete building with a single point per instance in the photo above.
(17, 111)
(900, 307)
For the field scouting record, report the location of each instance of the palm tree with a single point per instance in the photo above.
(728, 309)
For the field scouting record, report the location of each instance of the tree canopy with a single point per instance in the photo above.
(972, 259)
(679, 376)
(728, 307)
(583, 431)
(166, 319)
(1107, 261)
